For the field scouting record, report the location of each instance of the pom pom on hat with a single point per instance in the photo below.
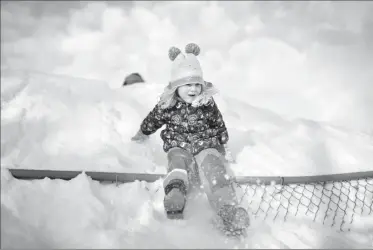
(192, 48)
(173, 52)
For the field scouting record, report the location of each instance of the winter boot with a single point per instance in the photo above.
(175, 199)
(175, 188)
(235, 220)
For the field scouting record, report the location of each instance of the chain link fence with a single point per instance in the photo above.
(335, 202)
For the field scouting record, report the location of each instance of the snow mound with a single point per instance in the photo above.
(82, 213)
(53, 122)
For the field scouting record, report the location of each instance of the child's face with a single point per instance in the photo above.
(189, 92)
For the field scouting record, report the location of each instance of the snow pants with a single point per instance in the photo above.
(207, 168)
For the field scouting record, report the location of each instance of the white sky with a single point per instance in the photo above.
(301, 59)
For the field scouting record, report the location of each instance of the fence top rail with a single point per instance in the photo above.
(129, 177)
(268, 180)
(31, 174)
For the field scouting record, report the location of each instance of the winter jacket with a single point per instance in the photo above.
(187, 127)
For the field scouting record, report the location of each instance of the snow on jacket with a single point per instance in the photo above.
(187, 127)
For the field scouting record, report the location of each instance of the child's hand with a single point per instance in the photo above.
(228, 155)
(139, 137)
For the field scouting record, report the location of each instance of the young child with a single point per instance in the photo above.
(195, 136)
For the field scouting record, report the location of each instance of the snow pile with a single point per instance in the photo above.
(66, 123)
(51, 122)
(82, 213)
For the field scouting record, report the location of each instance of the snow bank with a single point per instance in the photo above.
(65, 123)
(51, 122)
(82, 213)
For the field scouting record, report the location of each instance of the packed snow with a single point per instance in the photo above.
(64, 123)
(296, 94)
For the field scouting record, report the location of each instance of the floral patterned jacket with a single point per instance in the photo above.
(191, 128)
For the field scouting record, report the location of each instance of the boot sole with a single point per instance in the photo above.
(174, 204)
(175, 215)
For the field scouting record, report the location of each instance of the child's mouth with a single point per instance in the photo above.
(192, 95)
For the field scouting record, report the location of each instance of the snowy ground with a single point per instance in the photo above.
(50, 122)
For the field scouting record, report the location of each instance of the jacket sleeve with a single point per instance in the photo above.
(153, 121)
(216, 122)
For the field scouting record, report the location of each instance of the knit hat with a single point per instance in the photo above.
(186, 69)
